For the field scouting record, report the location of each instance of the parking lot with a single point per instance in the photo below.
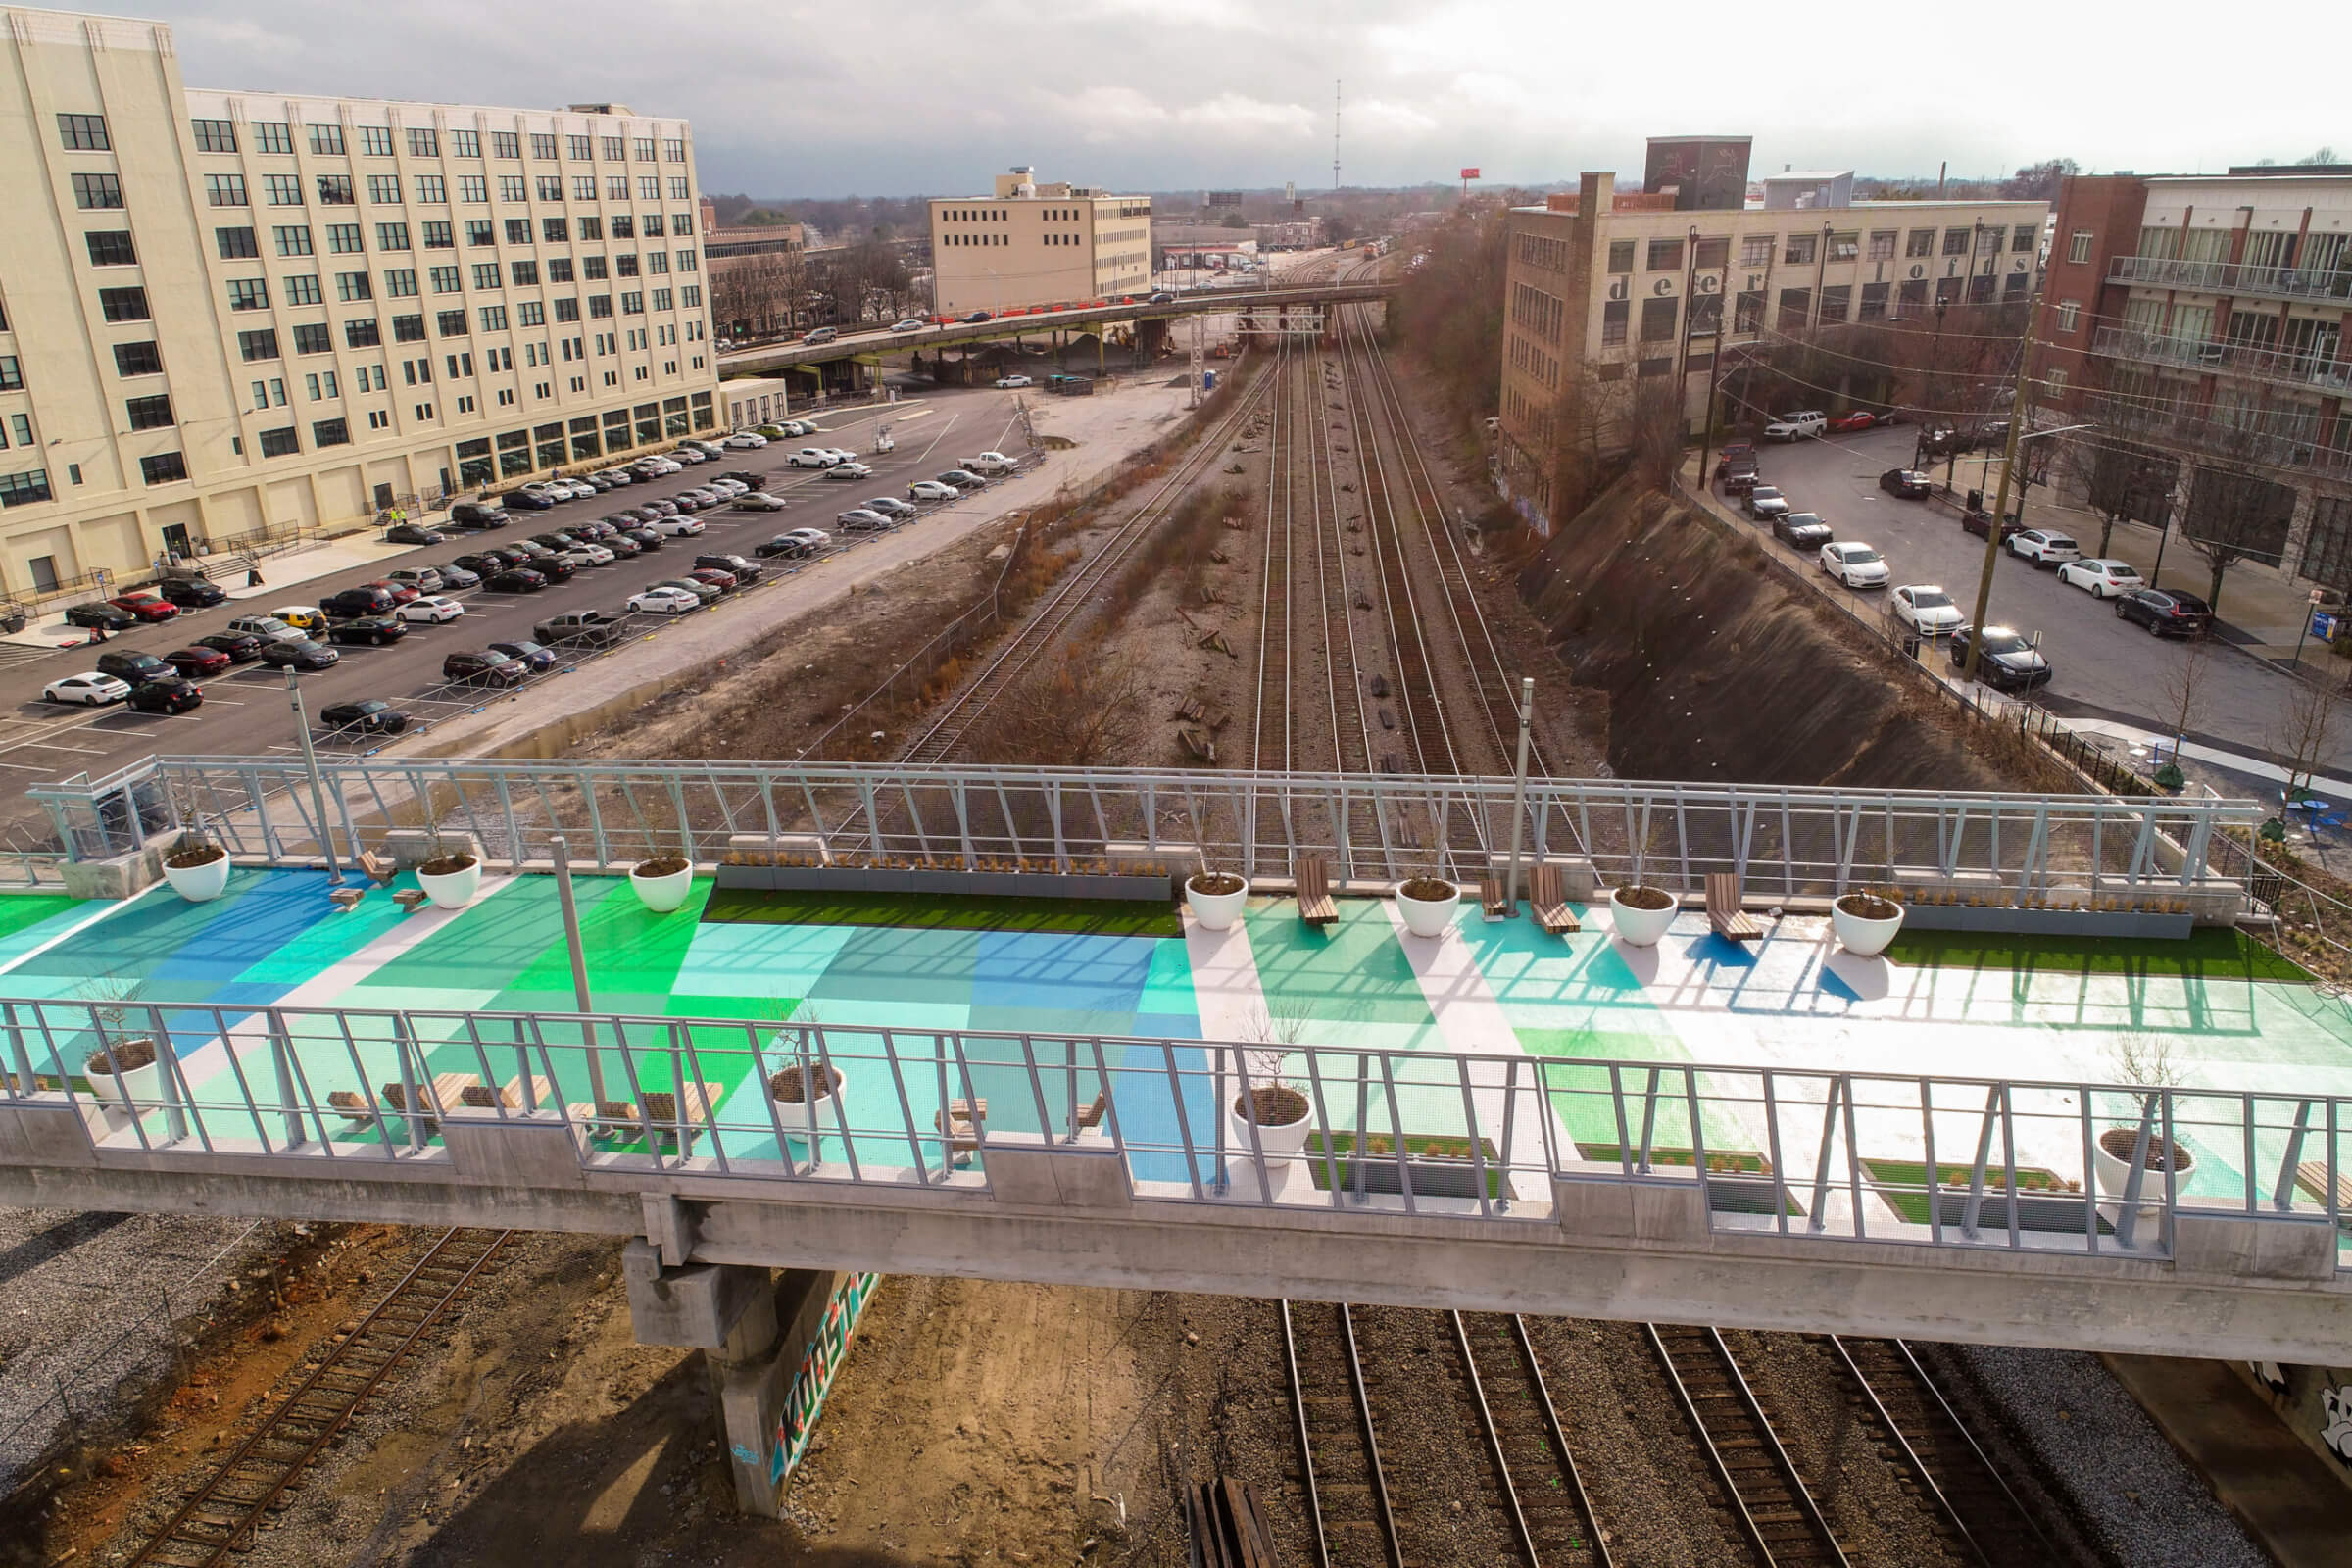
(245, 709)
(2101, 666)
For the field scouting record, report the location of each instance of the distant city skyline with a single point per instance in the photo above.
(923, 97)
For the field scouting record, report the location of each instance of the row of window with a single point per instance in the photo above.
(581, 439)
(242, 244)
(1797, 250)
(317, 337)
(979, 239)
(384, 190)
(1541, 312)
(88, 133)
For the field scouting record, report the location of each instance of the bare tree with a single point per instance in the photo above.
(2187, 686)
(1654, 430)
(1084, 709)
(2233, 516)
(2304, 730)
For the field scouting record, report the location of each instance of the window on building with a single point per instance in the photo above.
(475, 188)
(530, 312)
(692, 297)
(624, 226)
(432, 190)
(215, 135)
(558, 269)
(548, 187)
(1796, 308)
(624, 265)
(280, 443)
(681, 223)
(1881, 245)
(391, 237)
(2070, 315)
(592, 228)
(343, 239)
(1755, 250)
(650, 226)
(407, 329)
(1948, 290)
(485, 275)
(578, 149)
(327, 140)
(661, 302)
(674, 149)
(236, 244)
(505, 144)
(111, 247)
(556, 230)
(451, 323)
(616, 187)
(1710, 255)
(282, 190)
(1989, 240)
(438, 238)
(614, 149)
(384, 188)
(2077, 246)
(1956, 241)
(632, 305)
(1615, 315)
(137, 358)
(400, 283)
(2025, 237)
(83, 133)
(1912, 295)
(331, 433)
(260, 345)
(291, 240)
(1838, 302)
(1844, 247)
(592, 267)
(513, 188)
(518, 231)
(1919, 242)
(678, 189)
(248, 293)
(362, 334)
(350, 286)
(464, 144)
(1874, 301)
(153, 413)
(334, 191)
(375, 141)
(1980, 289)
(2054, 385)
(567, 310)
(423, 143)
(599, 306)
(2013, 286)
(321, 385)
(303, 289)
(494, 320)
(95, 192)
(543, 145)
(1798, 250)
(314, 337)
(224, 190)
(1665, 256)
(1658, 316)
(524, 272)
(15, 489)
(583, 187)
(164, 468)
(445, 280)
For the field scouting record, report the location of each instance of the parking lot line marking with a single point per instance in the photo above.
(23, 768)
(51, 745)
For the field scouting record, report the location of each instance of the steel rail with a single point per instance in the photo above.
(1275, 669)
(1570, 1474)
(1718, 1366)
(1376, 1479)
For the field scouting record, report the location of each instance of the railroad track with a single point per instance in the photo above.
(1959, 1488)
(1782, 1520)
(1338, 1453)
(1272, 735)
(1550, 1514)
(221, 1516)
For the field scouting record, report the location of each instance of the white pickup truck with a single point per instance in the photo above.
(991, 463)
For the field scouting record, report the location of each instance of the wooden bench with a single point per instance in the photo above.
(1549, 903)
(1491, 901)
(2312, 1176)
(354, 1107)
(613, 1118)
(1092, 1117)
(962, 1123)
(510, 1095)
(346, 898)
(410, 900)
(1731, 922)
(1313, 881)
(446, 1092)
(377, 869)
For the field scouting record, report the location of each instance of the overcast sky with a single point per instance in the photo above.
(896, 97)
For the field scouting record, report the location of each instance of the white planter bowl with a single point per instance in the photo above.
(1280, 1144)
(1861, 936)
(1429, 917)
(1216, 911)
(143, 1086)
(666, 891)
(199, 884)
(1641, 928)
(830, 1114)
(2113, 1173)
(454, 891)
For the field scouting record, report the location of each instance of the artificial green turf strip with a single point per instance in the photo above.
(2206, 952)
(946, 911)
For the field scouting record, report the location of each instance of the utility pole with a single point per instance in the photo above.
(309, 763)
(2021, 411)
(1336, 84)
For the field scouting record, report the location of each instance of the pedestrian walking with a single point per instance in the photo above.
(253, 578)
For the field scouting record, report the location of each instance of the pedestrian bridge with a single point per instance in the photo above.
(835, 1056)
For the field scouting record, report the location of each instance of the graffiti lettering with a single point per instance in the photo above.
(2336, 1410)
(805, 1401)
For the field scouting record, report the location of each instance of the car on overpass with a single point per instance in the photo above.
(973, 319)
(1160, 297)
(824, 335)
(912, 324)
(1006, 383)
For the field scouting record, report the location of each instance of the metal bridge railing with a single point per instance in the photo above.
(2081, 1168)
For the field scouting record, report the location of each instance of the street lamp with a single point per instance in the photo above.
(310, 761)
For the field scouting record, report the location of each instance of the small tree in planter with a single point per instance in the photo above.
(1427, 902)
(1866, 921)
(1642, 913)
(126, 1066)
(1277, 1110)
(452, 877)
(791, 1087)
(197, 869)
(2147, 1063)
(1215, 898)
(663, 881)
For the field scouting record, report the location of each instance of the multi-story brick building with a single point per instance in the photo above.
(1605, 289)
(236, 314)
(1033, 244)
(2200, 322)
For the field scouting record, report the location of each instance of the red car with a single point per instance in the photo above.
(723, 582)
(146, 606)
(401, 592)
(1732, 452)
(1858, 420)
(195, 661)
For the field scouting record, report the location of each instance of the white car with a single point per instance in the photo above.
(2043, 548)
(841, 453)
(704, 445)
(2102, 578)
(862, 521)
(587, 555)
(270, 629)
(730, 487)
(814, 457)
(1005, 383)
(911, 324)
(932, 490)
(92, 690)
(1927, 609)
(851, 469)
(665, 602)
(680, 528)
(579, 489)
(690, 455)
(991, 463)
(760, 501)
(424, 579)
(799, 429)
(1853, 564)
(1796, 426)
(618, 477)
(746, 440)
(431, 608)
(817, 538)
(657, 467)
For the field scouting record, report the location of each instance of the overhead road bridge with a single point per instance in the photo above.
(873, 346)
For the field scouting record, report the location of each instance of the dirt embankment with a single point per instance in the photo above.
(1719, 669)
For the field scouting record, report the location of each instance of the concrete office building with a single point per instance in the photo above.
(1607, 289)
(1033, 244)
(2202, 321)
(232, 315)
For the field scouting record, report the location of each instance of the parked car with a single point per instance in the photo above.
(746, 440)
(1806, 530)
(843, 454)
(790, 544)
(662, 507)
(674, 527)
(414, 533)
(483, 668)
(1926, 609)
(1980, 523)
(615, 477)
(134, 667)
(192, 593)
(708, 592)
(198, 661)
(1852, 420)
(1008, 383)
(723, 582)
(962, 479)
(302, 618)
(517, 580)
(1907, 483)
(660, 601)
(1765, 503)
(851, 469)
(593, 628)
(482, 562)
(816, 537)
(534, 657)
(367, 632)
(624, 547)
(270, 629)
(690, 500)
(745, 572)
(1796, 427)
(813, 457)
(145, 604)
(746, 478)
(101, 616)
(991, 463)
(799, 429)
(401, 592)
(364, 601)
(760, 501)
(1853, 564)
(2166, 612)
(369, 716)
(528, 501)
(860, 520)
(932, 490)
(455, 577)
(241, 646)
(2043, 548)
(169, 694)
(89, 689)
(643, 536)
(1743, 477)
(2008, 662)
(2102, 577)
(554, 568)
(892, 507)
(432, 609)
(424, 579)
(478, 514)
(304, 655)
(1732, 454)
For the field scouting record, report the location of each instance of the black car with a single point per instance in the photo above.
(643, 537)
(1160, 297)
(1804, 529)
(661, 508)
(371, 716)
(1765, 503)
(1979, 522)
(372, 632)
(169, 694)
(304, 655)
(554, 568)
(534, 657)
(557, 541)
(622, 546)
(960, 478)
(784, 543)
(2166, 612)
(745, 477)
(477, 514)
(189, 593)
(410, 533)
(361, 600)
(744, 573)
(135, 667)
(634, 517)
(482, 562)
(528, 552)
(241, 646)
(528, 500)
(976, 317)
(101, 615)
(596, 528)
(1905, 483)
(2009, 663)
(516, 580)
(484, 669)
